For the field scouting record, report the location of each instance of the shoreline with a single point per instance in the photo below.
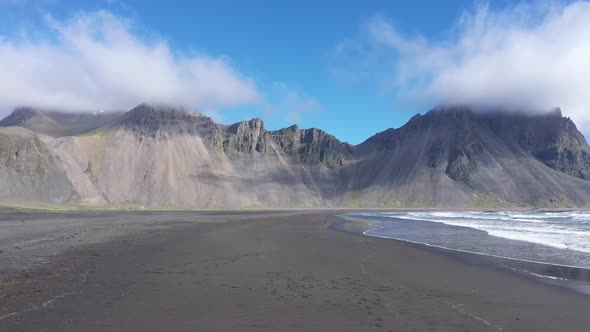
(573, 278)
(74, 208)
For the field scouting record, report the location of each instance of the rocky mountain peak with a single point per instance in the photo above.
(255, 124)
(456, 135)
(156, 115)
(162, 120)
(313, 146)
(19, 116)
(246, 136)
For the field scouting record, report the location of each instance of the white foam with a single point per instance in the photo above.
(563, 230)
(368, 233)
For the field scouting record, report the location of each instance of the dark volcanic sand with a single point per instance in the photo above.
(259, 271)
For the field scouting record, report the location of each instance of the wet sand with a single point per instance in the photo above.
(252, 271)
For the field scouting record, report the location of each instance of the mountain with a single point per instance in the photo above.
(29, 171)
(55, 123)
(158, 156)
(456, 157)
(451, 157)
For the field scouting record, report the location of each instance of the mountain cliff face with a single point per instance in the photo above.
(450, 157)
(157, 156)
(313, 146)
(454, 156)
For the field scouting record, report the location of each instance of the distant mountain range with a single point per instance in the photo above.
(159, 156)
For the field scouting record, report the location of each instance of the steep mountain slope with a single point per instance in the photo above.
(29, 171)
(157, 156)
(450, 157)
(455, 157)
(54, 123)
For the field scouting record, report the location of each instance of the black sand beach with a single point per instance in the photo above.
(252, 271)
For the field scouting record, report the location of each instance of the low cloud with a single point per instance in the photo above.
(98, 61)
(528, 57)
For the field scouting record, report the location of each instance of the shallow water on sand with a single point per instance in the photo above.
(559, 238)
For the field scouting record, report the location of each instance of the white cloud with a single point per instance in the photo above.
(97, 61)
(528, 56)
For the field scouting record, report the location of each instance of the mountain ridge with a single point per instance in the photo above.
(157, 155)
(55, 123)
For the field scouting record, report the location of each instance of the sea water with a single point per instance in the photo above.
(558, 238)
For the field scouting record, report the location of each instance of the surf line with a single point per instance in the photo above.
(8, 315)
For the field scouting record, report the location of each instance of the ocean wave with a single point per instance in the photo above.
(563, 230)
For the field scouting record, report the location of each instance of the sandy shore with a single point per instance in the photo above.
(255, 271)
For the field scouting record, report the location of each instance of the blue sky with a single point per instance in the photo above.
(334, 65)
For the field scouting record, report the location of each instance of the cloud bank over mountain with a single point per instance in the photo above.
(529, 56)
(100, 61)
